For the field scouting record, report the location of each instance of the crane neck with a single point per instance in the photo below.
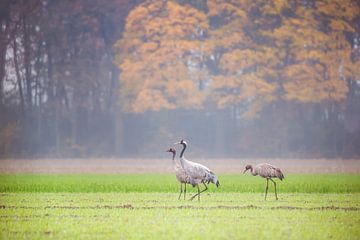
(173, 155)
(252, 171)
(183, 150)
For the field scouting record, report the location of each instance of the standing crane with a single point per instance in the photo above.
(180, 173)
(267, 171)
(198, 173)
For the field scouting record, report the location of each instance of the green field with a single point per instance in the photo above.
(145, 206)
(166, 183)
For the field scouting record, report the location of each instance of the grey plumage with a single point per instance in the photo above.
(268, 172)
(180, 173)
(197, 172)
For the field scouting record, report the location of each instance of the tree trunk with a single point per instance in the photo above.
(4, 31)
(27, 65)
(52, 101)
(114, 112)
(18, 78)
(2, 72)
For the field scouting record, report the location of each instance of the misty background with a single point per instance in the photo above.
(121, 78)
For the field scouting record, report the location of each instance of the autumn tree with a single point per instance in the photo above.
(300, 48)
(245, 75)
(318, 51)
(317, 37)
(160, 57)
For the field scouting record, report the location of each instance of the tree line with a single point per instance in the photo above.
(237, 78)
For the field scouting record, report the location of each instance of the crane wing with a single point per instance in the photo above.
(198, 171)
(268, 171)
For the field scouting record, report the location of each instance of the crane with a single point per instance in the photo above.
(198, 173)
(180, 173)
(267, 171)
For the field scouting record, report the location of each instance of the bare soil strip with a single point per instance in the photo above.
(165, 165)
(129, 206)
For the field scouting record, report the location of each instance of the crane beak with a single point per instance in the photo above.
(245, 170)
(176, 143)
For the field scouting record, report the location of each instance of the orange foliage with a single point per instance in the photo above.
(245, 66)
(320, 59)
(159, 41)
(301, 56)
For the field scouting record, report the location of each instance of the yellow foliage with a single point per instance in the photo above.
(340, 25)
(230, 90)
(236, 8)
(338, 8)
(148, 47)
(275, 6)
(154, 52)
(185, 94)
(306, 55)
(150, 99)
(306, 83)
(245, 66)
(351, 69)
(135, 18)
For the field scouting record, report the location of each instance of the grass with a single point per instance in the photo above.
(146, 207)
(162, 216)
(294, 183)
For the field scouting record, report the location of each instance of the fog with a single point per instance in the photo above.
(124, 79)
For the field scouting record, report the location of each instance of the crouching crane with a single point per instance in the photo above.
(267, 171)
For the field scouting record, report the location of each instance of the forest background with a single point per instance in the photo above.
(121, 78)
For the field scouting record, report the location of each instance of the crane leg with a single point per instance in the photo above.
(198, 194)
(267, 187)
(275, 188)
(206, 188)
(185, 191)
(180, 190)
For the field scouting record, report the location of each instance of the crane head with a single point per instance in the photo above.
(172, 150)
(183, 142)
(247, 168)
